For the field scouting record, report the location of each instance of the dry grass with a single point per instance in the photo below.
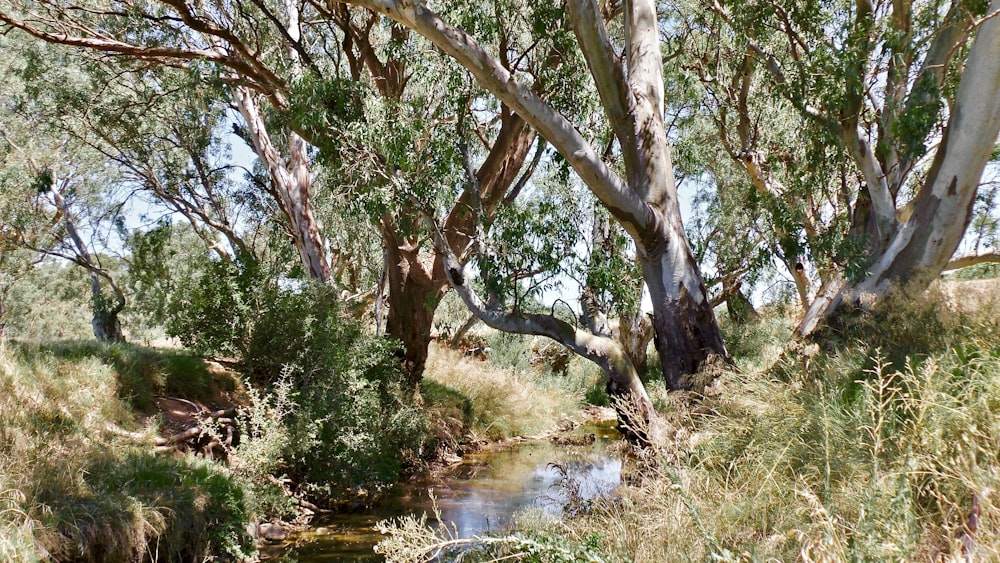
(880, 444)
(73, 488)
(497, 402)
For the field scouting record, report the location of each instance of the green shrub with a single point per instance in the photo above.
(346, 421)
(214, 311)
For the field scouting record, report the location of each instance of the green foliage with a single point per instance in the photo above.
(213, 311)
(529, 244)
(73, 488)
(346, 421)
(352, 426)
(913, 126)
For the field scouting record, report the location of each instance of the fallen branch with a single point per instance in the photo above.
(972, 260)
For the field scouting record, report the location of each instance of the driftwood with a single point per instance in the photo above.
(211, 433)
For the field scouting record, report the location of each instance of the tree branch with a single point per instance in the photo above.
(972, 260)
(627, 206)
(608, 73)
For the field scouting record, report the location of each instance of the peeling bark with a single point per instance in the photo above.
(292, 184)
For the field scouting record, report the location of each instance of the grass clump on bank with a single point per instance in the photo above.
(72, 488)
(142, 372)
(879, 442)
(495, 400)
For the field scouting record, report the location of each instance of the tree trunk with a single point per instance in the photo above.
(413, 298)
(737, 304)
(635, 333)
(291, 185)
(686, 331)
(935, 221)
(456, 338)
(107, 327)
(645, 201)
(637, 419)
(105, 321)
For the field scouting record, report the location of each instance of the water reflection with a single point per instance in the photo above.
(482, 495)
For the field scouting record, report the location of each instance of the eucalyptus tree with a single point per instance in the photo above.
(60, 197)
(644, 201)
(908, 91)
(218, 37)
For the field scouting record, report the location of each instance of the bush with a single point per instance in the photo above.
(335, 394)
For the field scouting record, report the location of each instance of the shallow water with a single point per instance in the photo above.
(480, 496)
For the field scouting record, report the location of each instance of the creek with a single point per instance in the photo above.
(479, 496)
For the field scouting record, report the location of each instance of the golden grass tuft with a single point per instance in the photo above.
(497, 402)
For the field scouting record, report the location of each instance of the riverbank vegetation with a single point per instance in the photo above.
(84, 477)
(360, 238)
(881, 444)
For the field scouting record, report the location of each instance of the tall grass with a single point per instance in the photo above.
(498, 400)
(73, 488)
(881, 442)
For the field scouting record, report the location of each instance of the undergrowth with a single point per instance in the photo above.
(879, 442)
(141, 372)
(72, 487)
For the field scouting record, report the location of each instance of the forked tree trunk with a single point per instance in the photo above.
(413, 299)
(924, 242)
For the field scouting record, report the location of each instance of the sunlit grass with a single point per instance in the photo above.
(72, 487)
(494, 401)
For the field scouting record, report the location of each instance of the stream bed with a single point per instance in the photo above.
(479, 496)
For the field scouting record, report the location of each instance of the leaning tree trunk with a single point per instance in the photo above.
(291, 185)
(105, 323)
(920, 248)
(637, 419)
(645, 201)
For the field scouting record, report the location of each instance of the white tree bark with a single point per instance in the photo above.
(292, 183)
(923, 245)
